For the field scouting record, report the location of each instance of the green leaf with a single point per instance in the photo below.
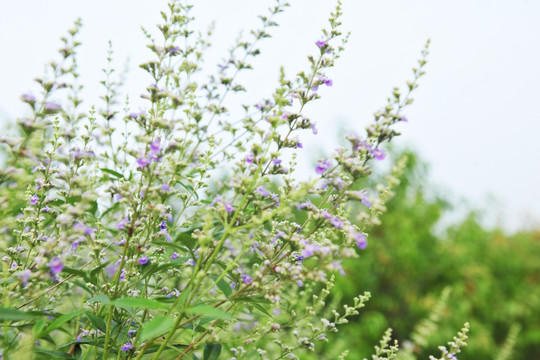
(17, 315)
(158, 326)
(224, 287)
(38, 328)
(97, 322)
(112, 172)
(102, 298)
(132, 303)
(209, 311)
(211, 351)
(54, 354)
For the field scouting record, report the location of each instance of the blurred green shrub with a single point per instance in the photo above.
(493, 279)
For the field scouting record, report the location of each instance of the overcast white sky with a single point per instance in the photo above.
(475, 119)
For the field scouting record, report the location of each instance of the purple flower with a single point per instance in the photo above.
(174, 50)
(314, 128)
(379, 154)
(28, 98)
(190, 262)
(338, 224)
(250, 158)
(163, 225)
(262, 191)
(165, 187)
(155, 146)
(404, 119)
(24, 275)
(228, 206)
(122, 224)
(361, 240)
(143, 260)
(337, 264)
(52, 106)
(276, 161)
(34, 199)
(321, 43)
(246, 279)
(143, 161)
(56, 265)
(364, 198)
(174, 255)
(127, 346)
(326, 214)
(299, 145)
(322, 166)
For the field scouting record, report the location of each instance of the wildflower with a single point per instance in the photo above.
(403, 119)
(127, 346)
(276, 161)
(228, 206)
(314, 128)
(143, 161)
(246, 279)
(299, 145)
(379, 154)
(262, 191)
(165, 187)
(361, 240)
(250, 158)
(122, 224)
(321, 43)
(190, 262)
(338, 224)
(174, 50)
(56, 265)
(52, 106)
(174, 255)
(143, 260)
(322, 166)
(28, 98)
(34, 199)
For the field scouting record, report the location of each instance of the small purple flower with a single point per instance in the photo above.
(326, 214)
(24, 275)
(379, 154)
(165, 187)
(338, 224)
(34, 199)
(143, 260)
(321, 43)
(300, 283)
(314, 128)
(174, 50)
(276, 161)
(403, 119)
(190, 262)
(246, 279)
(337, 264)
(322, 166)
(361, 240)
(155, 146)
(52, 106)
(163, 225)
(127, 346)
(250, 158)
(262, 191)
(28, 98)
(174, 255)
(228, 206)
(55, 265)
(143, 161)
(299, 145)
(122, 223)
(364, 198)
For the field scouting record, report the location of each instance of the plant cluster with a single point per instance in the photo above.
(123, 238)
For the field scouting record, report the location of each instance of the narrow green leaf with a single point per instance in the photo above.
(224, 287)
(133, 303)
(209, 311)
(102, 298)
(54, 354)
(112, 172)
(158, 326)
(97, 322)
(16, 315)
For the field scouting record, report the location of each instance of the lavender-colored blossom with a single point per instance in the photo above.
(127, 346)
(174, 255)
(364, 198)
(337, 264)
(314, 128)
(338, 224)
(246, 279)
(299, 145)
(29, 98)
(228, 206)
(52, 106)
(143, 161)
(56, 265)
(379, 154)
(250, 158)
(322, 166)
(326, 214)
(24, 275)
(122, 223)
(34, 199)
(276, 161)
(143, 260)
(262, 191)
(174, 50)
(321, 43)
(165, 187)
(163, 225)
(361, 240)
(155, 145)
(403, 119)
(190, 262)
